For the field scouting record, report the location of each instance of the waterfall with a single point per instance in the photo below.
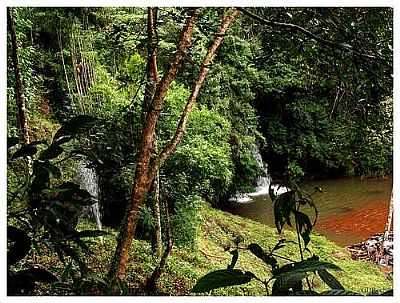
(263, 182)
(88, 180)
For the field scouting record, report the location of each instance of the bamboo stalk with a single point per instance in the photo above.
(63, 64)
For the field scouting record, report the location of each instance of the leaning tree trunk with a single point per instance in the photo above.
(142, 181)
(146, 171)
(19, 88)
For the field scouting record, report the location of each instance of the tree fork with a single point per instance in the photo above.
(146, 172)
(142, 182)
(170, 147)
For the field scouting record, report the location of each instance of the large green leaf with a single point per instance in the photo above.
(257, 250)
(305, 266)
(23, 281)
(25, 151)
(76, 125)
(289, 284)
(54, 171)
(305, 226)
(221, 278)
(53, 151)
(12, 141)
(20, 244)
(71, 192)
(329, 279)
(283, 207)
(38, 274)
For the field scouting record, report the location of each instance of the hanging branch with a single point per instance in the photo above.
(295, 27)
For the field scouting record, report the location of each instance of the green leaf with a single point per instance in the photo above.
(339, 292)
(20, 244)
(283, 206)
(54, 171)
(38, 275)
(63, 139)
(235, 257)
(53, 151)
(25, 151)
(75, 126)
(256, 250)
(305, 266)
(41, 177)
(329, 279)
(289, 284)
(305, 226)
(71, 192)
(221, 278)
(12, 141)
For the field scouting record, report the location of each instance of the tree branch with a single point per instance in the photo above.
(294, 27)
(170, 147)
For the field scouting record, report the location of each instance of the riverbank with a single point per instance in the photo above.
(217, 229)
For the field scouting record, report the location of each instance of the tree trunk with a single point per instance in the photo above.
(19, 88)
(150, 88)
(142, 181)
(388, 225)
(157, 239)
(146, 171)
(151, 284)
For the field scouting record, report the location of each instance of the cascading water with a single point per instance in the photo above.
(88, 180)
(263, 183)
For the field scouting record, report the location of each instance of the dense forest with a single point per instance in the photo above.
(131, 130)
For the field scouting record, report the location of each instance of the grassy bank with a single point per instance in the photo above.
(217, 231)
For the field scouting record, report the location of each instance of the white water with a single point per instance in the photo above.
(263, 183)
(88, 180)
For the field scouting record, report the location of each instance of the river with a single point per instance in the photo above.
(350, 209)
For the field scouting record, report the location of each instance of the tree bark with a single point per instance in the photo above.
(146, 171)
(19, 87)
(150, 87)
(142, 182)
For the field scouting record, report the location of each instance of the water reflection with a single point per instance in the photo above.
(349, 209)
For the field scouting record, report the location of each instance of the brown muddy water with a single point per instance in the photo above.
(350, 209)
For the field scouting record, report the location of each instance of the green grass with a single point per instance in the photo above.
(218, 229)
